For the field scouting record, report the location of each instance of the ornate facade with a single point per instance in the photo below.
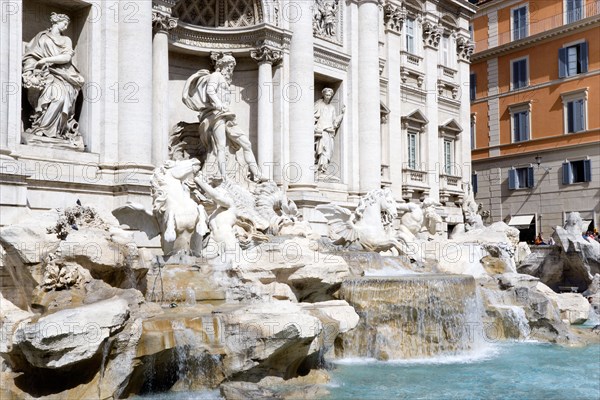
(400, 68)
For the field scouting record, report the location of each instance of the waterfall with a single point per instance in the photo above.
(412, 316)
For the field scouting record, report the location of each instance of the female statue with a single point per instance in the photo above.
(52, 81)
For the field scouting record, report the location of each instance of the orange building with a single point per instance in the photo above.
(535, 112)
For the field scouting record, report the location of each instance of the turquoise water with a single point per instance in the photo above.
(509, 371)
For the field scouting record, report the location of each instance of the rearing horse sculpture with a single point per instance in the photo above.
(179, 220)
(369, 226)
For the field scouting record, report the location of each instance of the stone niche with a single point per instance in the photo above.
(244, 90)
(36, 18)
(336, 165)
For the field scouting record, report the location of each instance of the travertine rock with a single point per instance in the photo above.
(70, 336)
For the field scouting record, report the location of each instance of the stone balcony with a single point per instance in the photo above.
(451, 189)
(414, 180)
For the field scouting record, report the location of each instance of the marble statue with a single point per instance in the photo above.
(53, 84)
(419, 218)
(471, 211)
(327, 122)
(181, 221)
(369, 226)
(324, 17)
(209, 94)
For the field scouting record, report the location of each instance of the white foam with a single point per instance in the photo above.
(390, 271)
(485, 353)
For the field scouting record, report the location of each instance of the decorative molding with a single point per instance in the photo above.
(394, 17)
(432, 34)
(239, 40)
(266, 54)
(582, 25)
(163, 22)
(331, 58)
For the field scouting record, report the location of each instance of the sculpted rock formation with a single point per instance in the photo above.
(571, 263)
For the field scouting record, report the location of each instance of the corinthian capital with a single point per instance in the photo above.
(162, 21)
(266, 54)
(393, 17)
(432, 33)
(464, 48)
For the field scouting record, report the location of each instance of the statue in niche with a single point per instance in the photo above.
(324, 17)
(327, 123)
(209, 94)
(53, 84)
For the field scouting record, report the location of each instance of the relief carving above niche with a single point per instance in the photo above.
(327, 20)
(52, 85)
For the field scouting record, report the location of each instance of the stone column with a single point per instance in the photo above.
(369, 137)
(434, 165)
(161, 22)
(135, 85)
(394, 18)
(265, 57)
(10, 75)
(299, 173)
(464, 50)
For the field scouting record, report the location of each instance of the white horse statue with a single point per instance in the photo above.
(179, 220)
(370, 225)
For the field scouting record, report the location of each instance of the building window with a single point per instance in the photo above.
(474, 182)
(520, 125)
(574, 10)
(471, 33)
(448, 156)
(520, 178)
(413, 150)
(575, 116)
(410, 35)
(445, 54)
(473, 87)
(573, 60)
(575, 111)
(577, 171)
(519, 23)
(519, 74)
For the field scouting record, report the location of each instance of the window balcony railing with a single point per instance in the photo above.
(542, 25)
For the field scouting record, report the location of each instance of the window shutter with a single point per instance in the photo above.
(578, 115)
(567, 173)
(525, 134)
(473, 86)
(583, 56)
(474, 183)
(530, 177)
(512, 179)
(516, 127)
(587, 170)
(570, 117)
(562, 63)
(523, 73)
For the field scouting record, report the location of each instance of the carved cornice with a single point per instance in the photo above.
(242, 40)
(266, 54)
(464, 48)
(163, 22)
(581, 25)
(394, 17)
(432, 34)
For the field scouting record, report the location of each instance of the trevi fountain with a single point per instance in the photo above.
(214, 276)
